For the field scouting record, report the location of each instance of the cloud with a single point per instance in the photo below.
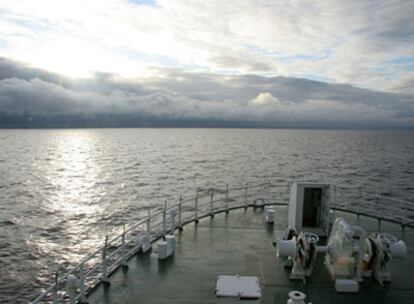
(179, 96)
(355, 42)
(264, 99)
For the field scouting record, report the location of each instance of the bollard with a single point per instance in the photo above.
(296, 297)
(211, 202)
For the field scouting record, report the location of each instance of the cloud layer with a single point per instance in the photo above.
(368, 44)
(179, 96)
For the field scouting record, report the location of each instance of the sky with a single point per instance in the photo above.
(276, 63)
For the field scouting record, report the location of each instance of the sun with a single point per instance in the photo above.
(70, 57)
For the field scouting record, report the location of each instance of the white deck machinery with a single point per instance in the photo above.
(350, 253)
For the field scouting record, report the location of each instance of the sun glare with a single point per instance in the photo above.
(69, 57)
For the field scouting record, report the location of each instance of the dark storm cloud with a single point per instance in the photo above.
(177, 95)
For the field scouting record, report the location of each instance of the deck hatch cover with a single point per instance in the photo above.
(238, 287)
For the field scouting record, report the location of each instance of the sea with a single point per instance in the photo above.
(63, 190)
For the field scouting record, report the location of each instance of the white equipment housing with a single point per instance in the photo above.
(309, 208)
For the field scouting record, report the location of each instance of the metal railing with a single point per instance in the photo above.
(97, 266)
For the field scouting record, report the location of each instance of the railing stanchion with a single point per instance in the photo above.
(124, 263)
(380, 213)
(359, 203)
(164, 220)
(211, 202)
(180, 210)
(82, 298)
(402, 220)
(227, 198)
(55, 289)
(173, 214)
(149, 222)
(268, 191)
(196, 207)
(245, 197)
(105, 278)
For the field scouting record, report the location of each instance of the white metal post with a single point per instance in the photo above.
(105, 278)
(245, 197)
(180, 210)
(196, 208)
(82, 293)
(55, 289)
(211, 202)
(149, 222)
(359, 203)
(164, 220)
(173, 213)
(380, 213)
(124, 250)
(227, 198)
(268, 192)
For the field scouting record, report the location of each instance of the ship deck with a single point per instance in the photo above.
(240, 242)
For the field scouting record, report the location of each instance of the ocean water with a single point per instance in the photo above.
(61, 191)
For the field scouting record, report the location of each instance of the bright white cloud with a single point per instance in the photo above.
(357, 42)
(264, 99)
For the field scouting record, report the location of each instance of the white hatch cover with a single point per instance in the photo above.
(238, 287)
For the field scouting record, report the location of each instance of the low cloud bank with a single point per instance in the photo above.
(34, 97)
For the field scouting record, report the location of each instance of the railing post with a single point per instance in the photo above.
(196, 207)
(402, 221)
(245, 197)
(227, 198)
(55, 289)
(82, 298)
(211, 202)
(268, 191)
(333, 205)
(124, 263)
(380, 213)
(173, 213)
(149, 222)
(359, 203)
(164, 220)
(105, 278)
(180, 210)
